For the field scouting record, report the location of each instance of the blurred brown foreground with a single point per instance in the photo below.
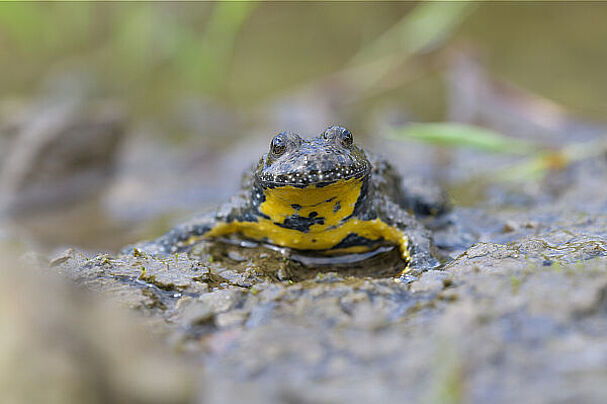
(63, 345)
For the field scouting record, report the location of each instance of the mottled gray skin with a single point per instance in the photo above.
(319, 161)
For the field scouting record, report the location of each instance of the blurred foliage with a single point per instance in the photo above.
(34, 28)
(459, 135)
(424, 28)
(204, 63)
(131, 45)
(153, 53)
(540, 163)
(242, 52)
(537, 162)
(149, 39)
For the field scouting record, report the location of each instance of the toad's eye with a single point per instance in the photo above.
(345, 137)
(278, 145)
(339, 135)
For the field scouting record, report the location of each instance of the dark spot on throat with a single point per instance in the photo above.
(337, 207)
(301, 223)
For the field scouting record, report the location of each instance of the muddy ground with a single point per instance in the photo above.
(518, 314)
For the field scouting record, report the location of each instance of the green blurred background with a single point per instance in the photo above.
(244, 53)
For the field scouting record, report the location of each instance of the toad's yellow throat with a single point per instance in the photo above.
(314, 218)
(314, 208)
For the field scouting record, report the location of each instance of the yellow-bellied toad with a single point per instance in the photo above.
(323, 195)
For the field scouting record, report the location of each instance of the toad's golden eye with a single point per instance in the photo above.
(278, 145)
(345, 136)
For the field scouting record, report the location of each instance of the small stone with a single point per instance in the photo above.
(531, 224)
(236, 256)
(509, 226)
(197, 314)
(61, 258)
(430, 281)
(449, 295)
(230, 319)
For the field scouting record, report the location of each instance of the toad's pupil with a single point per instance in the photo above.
(278, 146)
(346, 138)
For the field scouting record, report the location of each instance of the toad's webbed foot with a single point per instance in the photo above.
(422, 253)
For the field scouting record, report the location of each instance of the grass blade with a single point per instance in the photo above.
(467, 136)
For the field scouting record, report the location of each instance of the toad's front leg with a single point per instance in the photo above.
(185, 235)
(412, 238)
